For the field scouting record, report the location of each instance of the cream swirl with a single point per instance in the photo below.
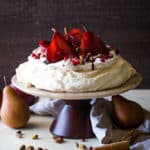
(63, 76)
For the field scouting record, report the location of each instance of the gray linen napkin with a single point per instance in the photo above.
(46, 106)
(107, 131)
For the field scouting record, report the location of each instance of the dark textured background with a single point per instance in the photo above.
(122, 23)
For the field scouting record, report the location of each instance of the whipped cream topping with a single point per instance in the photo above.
(68, 65)
(63, 76)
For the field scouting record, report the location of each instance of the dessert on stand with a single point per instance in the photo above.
(73, 121)
(75, 67)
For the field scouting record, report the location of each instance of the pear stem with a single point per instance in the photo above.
(5, 81)
(65, 30)
(84, 28)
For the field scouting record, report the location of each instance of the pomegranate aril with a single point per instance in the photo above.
(33, 54)
(75, 61)
(103, 59)
(36, 56)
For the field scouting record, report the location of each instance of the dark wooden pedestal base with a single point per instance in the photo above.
(73, 121)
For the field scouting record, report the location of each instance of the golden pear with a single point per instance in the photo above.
(14, 111)
(127, 114)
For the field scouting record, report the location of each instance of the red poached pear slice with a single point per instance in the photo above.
(86, 43)
(100, 46)
(58, 48)
(74, 37)
(77, 33)
(54, 53)
(92, 43)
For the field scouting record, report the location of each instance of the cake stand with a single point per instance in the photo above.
(73, 120)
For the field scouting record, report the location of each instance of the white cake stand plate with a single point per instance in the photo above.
(73, 120)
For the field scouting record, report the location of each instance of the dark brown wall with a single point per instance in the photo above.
(122, 23)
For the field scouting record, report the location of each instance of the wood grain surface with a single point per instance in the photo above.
(122, 23)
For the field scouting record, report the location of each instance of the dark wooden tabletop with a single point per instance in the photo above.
(122, 23)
